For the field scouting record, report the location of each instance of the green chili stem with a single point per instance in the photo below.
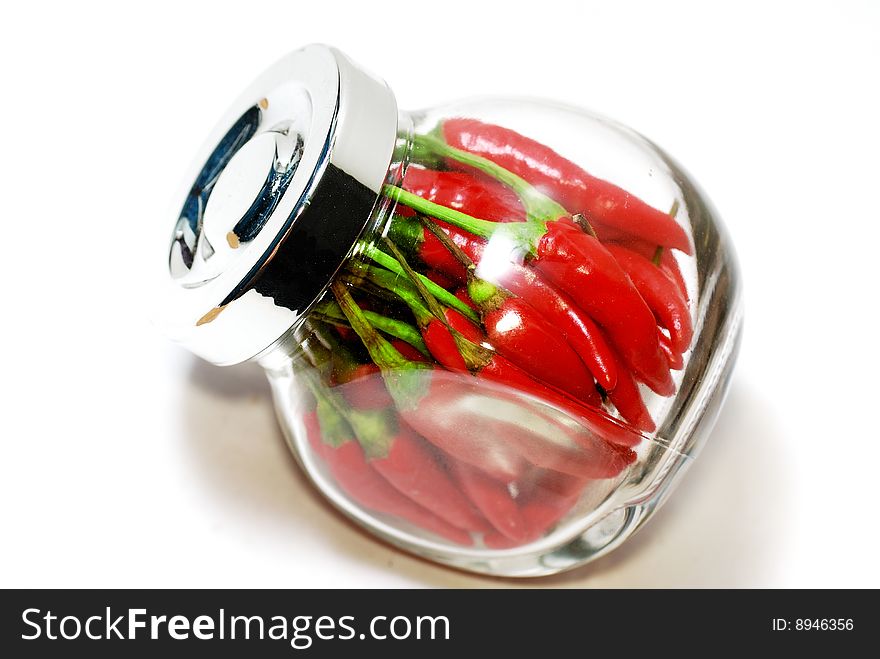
(481, 228)
(447, 298)
(401, 288)
(405, 379)
(397, 328)
(335, 429)
(434, 306)
(483, 293)
(448, 243)
(658, 255)
(521, 235)
(381, 351)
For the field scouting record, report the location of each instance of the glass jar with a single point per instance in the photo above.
(497, 331)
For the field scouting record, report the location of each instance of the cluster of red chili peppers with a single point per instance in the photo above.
(506, 270)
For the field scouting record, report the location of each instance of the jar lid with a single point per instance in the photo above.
(274, 203)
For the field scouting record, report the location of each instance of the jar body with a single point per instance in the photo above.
(492, 448)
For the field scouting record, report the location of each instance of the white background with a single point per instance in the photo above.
(127, 462)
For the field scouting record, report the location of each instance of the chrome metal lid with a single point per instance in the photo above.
(274, 203)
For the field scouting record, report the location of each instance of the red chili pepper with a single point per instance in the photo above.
(442, 280)
(521, 334)
(411, 236)
(463, 326)
(661, 294)
(468, 435)
(579, 330)
(493, 499)
(432, 254)
(462, 294)
(668, 263)
(497, 369)
(570, 185)
(348, 465)
(549, 498)
(628, 400)
(493, 367)
(442, 345)
(521, 345)
(363, 388)
(404, 461)
(408, 351)
(525, 338)
(345, 333)
(478, 196)
(584, 269)
(457, 414)
(544, 214)
(550, 501)
(676, 362)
